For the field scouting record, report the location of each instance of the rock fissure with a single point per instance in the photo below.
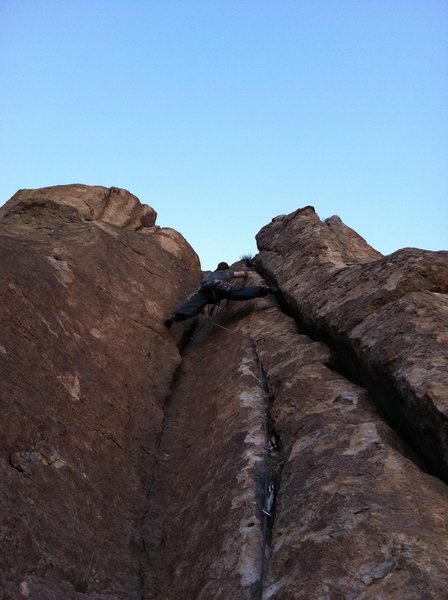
(385, 394)
(272, 472)
(428, 451)
(272, 461)
(148, 544)
(179, 432)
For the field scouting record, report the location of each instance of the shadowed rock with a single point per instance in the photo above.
(85, 367)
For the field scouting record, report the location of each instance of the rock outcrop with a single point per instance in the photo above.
(86, 365)
(254, 454)
(174, 242)
(387, 317)
(111, 205)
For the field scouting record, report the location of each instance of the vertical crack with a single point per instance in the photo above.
(272, 473)
(428, 449)
(149, 543)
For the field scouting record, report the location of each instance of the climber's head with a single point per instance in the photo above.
(223, 266)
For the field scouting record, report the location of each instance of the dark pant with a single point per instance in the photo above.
(199, 299)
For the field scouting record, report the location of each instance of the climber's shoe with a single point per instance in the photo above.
(168, 322)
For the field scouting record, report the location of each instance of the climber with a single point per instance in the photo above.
(215, 287)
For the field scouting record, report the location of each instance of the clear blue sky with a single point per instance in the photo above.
(224, 114)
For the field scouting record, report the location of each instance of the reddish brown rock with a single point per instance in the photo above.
(203, 529)
(355, 514)
(86, 365)
(119, 482)
(111, 205)
(357, 517)
(352, 247)
(386, 317)
(174, 242)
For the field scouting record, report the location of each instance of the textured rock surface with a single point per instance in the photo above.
(355, 514)
(203, 526)
(175, 243)
(387, 317)
(356, 517)
(111, 205)
(85, 367)
(132, 471)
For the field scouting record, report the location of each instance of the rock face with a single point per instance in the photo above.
(111, 205)
(386, 316)
(203, 525)
(174, 242)
(255, 462)
(85, 366)
(355, 514)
